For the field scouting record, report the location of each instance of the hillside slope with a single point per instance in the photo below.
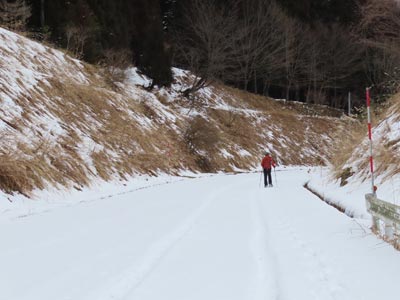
(386, 145)
(348, 179)
(65, 123)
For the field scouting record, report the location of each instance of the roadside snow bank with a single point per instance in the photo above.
(19, 206)
(351, 197)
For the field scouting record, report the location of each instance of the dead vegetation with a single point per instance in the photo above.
(71, 131)
(122, 147)
(115, 63)
(14, 175)
(201, 138)
(352, 145)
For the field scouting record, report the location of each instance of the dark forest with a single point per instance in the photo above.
(314, 51)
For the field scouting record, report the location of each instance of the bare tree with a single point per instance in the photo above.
(77, 36)
(82, 28)
(116, 62)
(239, 43)
(379, 31)
(203, 42)
(332, 57)
(70, 32)
(380, 23)
(294, 62)
(258, 41)
(342, 57)
(42, 13)
(255, 41)
(313, 69)
(279, 50)
(14, 15)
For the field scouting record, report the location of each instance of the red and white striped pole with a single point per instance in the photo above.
(371, 159)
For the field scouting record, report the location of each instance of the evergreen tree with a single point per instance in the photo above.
(90, 27)
(326, 11)
(148, 44)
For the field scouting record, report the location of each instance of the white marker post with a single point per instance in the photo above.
(371, 160)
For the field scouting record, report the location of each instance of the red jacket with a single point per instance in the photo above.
(268, 162)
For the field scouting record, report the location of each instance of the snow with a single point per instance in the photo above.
(351, 197)
(243, 152)
(385, 143)
(189, 237)
(17, 206)
(134, 78)
(24, 65)
(226, 154)
(32, 82)
(215, 237)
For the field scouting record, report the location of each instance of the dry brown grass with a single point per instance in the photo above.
(115, 62)
(300, 129)
(201, 135)
(15, 175)
(354, 132)
(351, 133)
(98, 111)
(201, 138)
(147, 151)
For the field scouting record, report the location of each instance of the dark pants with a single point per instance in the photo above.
(267, 177)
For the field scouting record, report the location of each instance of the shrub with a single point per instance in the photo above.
(15, 175)
(116, 62)
(204, 163)
(200, 135)
(346, 174)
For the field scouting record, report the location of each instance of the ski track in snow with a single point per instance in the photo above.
(322, 282)
(129, 280)
(317, 279)
(263, 286)
(216, 238)
(268, 285)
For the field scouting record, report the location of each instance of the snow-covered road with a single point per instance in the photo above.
(214, 238)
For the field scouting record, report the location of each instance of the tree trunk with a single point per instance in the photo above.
(308, 100)
(42, 19)
(245, 84)
(266, 89)
(255, 82)
(288, 91)
(297, 97)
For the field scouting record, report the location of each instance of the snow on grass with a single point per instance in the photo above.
(72, 106)
(28, 64)
(350, 194)
(226, 154)
(134, 78)
(351, 197)
(25, 64)
(244, 152)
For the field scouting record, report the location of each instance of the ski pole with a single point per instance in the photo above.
(259, 185)
(276, 182)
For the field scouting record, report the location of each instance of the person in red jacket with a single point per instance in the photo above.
(267, 163)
